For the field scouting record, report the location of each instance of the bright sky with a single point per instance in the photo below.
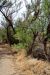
(20, 13)
(22, 10)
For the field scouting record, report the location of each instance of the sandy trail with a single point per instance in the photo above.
(18, 64)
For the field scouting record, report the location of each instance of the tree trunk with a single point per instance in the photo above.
(30, 52)
(46, 39)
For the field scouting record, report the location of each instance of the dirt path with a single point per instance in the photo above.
(18, 64)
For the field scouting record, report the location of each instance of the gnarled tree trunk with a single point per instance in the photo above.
(30, 52)
(10, 29)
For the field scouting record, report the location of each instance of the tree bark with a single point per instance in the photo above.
(30, 52)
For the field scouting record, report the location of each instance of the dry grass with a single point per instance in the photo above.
(29, 66)
(23, 65)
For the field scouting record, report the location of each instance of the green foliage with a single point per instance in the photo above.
(3, 34)
(46, 7)
(25, 28)
(24, 35)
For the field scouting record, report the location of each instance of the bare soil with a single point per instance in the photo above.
(19, 64)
